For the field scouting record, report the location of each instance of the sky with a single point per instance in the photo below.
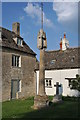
(59, 17)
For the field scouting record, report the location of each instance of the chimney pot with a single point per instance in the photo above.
(61, 44)
(64, 35)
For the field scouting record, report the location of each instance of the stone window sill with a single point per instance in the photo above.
(48, 86)
(16, 67)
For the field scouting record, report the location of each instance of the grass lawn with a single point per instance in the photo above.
(22, 109)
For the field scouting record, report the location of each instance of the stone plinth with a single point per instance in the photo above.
(57, 98)
(40, 101)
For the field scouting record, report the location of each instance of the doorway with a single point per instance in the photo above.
(14, 88)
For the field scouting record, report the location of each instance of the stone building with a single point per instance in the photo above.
(18, 64)
(60, 67)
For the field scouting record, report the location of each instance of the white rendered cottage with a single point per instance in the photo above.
(60, 66)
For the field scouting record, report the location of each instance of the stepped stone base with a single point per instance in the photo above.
(40, 101)
(57, 99)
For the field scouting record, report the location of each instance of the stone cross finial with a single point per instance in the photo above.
(41, 38)
(57, 88)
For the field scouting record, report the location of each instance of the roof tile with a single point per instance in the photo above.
(8, 41)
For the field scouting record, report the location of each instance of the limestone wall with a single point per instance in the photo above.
(25, 73)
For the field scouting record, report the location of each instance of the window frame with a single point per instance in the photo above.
(19, 85)
(19, 42)
(47, 84)
(16, 61)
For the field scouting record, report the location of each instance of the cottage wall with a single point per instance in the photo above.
(59, 76)
(25, 73)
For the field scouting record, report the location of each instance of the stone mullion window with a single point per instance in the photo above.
(19, 41)
(15, 61)
(48, 82)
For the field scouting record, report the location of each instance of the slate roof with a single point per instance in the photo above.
(58, 59)
(62, 59)
(8, 41)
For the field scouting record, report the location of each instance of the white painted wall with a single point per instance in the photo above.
(59, 76)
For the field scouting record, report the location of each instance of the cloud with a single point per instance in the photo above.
(66, 11)
(34, 11)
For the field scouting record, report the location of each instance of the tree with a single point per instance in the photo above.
(75, 83)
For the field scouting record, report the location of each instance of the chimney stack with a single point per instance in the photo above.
(61, 44)
(16, 28)
(64, 43)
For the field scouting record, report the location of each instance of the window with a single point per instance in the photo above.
(16, 61)
(19, 41)
(52, 61)
(48, 82)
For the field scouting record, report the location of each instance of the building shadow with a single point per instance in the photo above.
(65, 110)
(53, 112)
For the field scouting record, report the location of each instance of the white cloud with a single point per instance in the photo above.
(66, 11)
(34, 11)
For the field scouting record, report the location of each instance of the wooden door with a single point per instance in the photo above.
(14, 88)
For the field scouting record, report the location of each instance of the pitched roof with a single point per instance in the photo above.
(8, 41)
(62, 59)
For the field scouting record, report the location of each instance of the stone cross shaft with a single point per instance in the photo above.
(42, 45)
(42, 73)
(57, 88)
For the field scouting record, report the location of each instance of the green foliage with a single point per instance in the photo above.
(50, 97)
(75, 83)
